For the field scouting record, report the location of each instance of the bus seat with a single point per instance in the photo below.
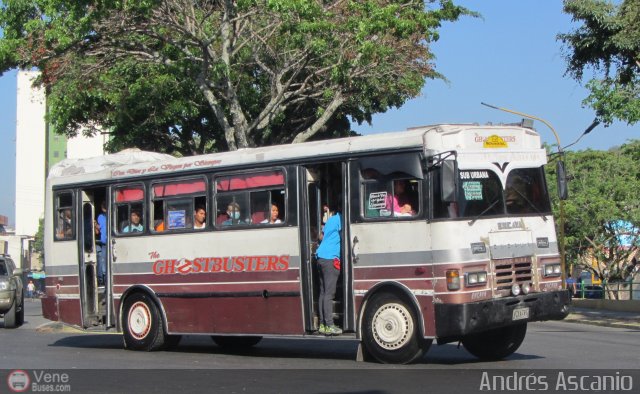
(258, 217)
(221, 218)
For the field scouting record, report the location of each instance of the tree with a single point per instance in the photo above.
(608, 41)
(38, 241)
(602, 214)
(247, 72)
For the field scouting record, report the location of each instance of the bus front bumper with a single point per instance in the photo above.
(454, 321)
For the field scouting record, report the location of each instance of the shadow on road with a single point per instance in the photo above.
(325, 349)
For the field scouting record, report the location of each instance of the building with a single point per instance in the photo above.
(38, 148)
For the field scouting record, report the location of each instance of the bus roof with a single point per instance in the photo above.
(470, 138)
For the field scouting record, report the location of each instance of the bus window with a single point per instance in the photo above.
(526, 192)
(175, 204)
(389, 197)
(255, 199)
(479, 193)
(65, 217)
(129, 204)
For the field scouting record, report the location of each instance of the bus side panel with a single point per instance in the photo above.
(236, 315)
(70, 311)
(396, 253)
(50, 308)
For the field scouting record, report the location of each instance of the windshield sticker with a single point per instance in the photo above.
(474, 174)
(495, 141)
(378, 200)
(472, 190)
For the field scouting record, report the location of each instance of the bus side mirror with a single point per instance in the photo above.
(563, 189)
(449, 181)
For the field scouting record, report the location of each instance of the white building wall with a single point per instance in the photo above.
(31, 137)
(30, 154)
(82, 147)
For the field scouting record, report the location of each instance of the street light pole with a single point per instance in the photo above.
(561, 200)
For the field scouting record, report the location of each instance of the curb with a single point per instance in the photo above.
(603, 322)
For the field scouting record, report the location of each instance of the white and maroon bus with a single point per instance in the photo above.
(447, 235)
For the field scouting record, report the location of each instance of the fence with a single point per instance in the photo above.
(613, 290)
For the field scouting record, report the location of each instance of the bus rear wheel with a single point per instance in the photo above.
(142, 323)
(390, 331)
(495, 344)
(235, 342)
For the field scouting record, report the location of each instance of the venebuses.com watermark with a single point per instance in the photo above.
(20, 381)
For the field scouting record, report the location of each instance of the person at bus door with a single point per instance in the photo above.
(233, 212)
(101, 243)
(199, 218)
(31, 288)
(328, 255)
(273, 219)
(134, 224)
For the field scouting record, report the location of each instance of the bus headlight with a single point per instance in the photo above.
(526, 288)
(515, 289)
(453, 280)
(552, 270)
(475, 278)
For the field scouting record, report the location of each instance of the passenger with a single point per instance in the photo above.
(101, 243)
(273, 219)
(233, 211)
(400, 202)
(328, 254)
(134, 225)
(199, 218)
(66, 230)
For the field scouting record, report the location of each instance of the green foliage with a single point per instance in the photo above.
(602, 214)
(607, 41)
(205, 75)
(38, 242)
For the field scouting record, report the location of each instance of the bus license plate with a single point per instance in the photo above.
(520, 313)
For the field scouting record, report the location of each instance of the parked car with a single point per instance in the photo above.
(11, 293)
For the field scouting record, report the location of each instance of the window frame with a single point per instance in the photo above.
(249, 192)
(56, 214)
(115, 205)
(191, 197)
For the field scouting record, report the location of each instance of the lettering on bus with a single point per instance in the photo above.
(165, 167)
(201, 265)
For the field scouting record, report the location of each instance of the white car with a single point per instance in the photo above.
(11, 293)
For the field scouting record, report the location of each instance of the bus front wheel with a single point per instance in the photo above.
(496, 344)
(390, 331)
(142, 323)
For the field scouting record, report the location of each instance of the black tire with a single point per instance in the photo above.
(390, 330)
(142, 323)
(495, 344)
(20, 314)
(10, 318)
(230, 342)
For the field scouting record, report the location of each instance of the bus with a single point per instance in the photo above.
(471, 255)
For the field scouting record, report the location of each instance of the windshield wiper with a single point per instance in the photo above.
(485, 211)
(544, 217)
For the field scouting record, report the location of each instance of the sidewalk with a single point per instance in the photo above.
(603, 317)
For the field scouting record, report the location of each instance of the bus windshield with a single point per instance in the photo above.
(480, 194)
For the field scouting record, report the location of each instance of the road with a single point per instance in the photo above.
(548, 346)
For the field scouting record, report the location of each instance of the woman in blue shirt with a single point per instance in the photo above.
(328, 254)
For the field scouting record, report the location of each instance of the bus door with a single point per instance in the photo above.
(92, 294)
(324, 185)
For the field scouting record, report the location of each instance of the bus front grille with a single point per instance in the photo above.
(508, 272)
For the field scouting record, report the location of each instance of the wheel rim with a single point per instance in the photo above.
(139, 320)
(392, 326)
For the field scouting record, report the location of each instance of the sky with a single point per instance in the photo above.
(509, 58)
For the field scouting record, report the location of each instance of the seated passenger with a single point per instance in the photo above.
(233, 211)
(273, 219)
(134, 224)
(399, 204)
(199, 218)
